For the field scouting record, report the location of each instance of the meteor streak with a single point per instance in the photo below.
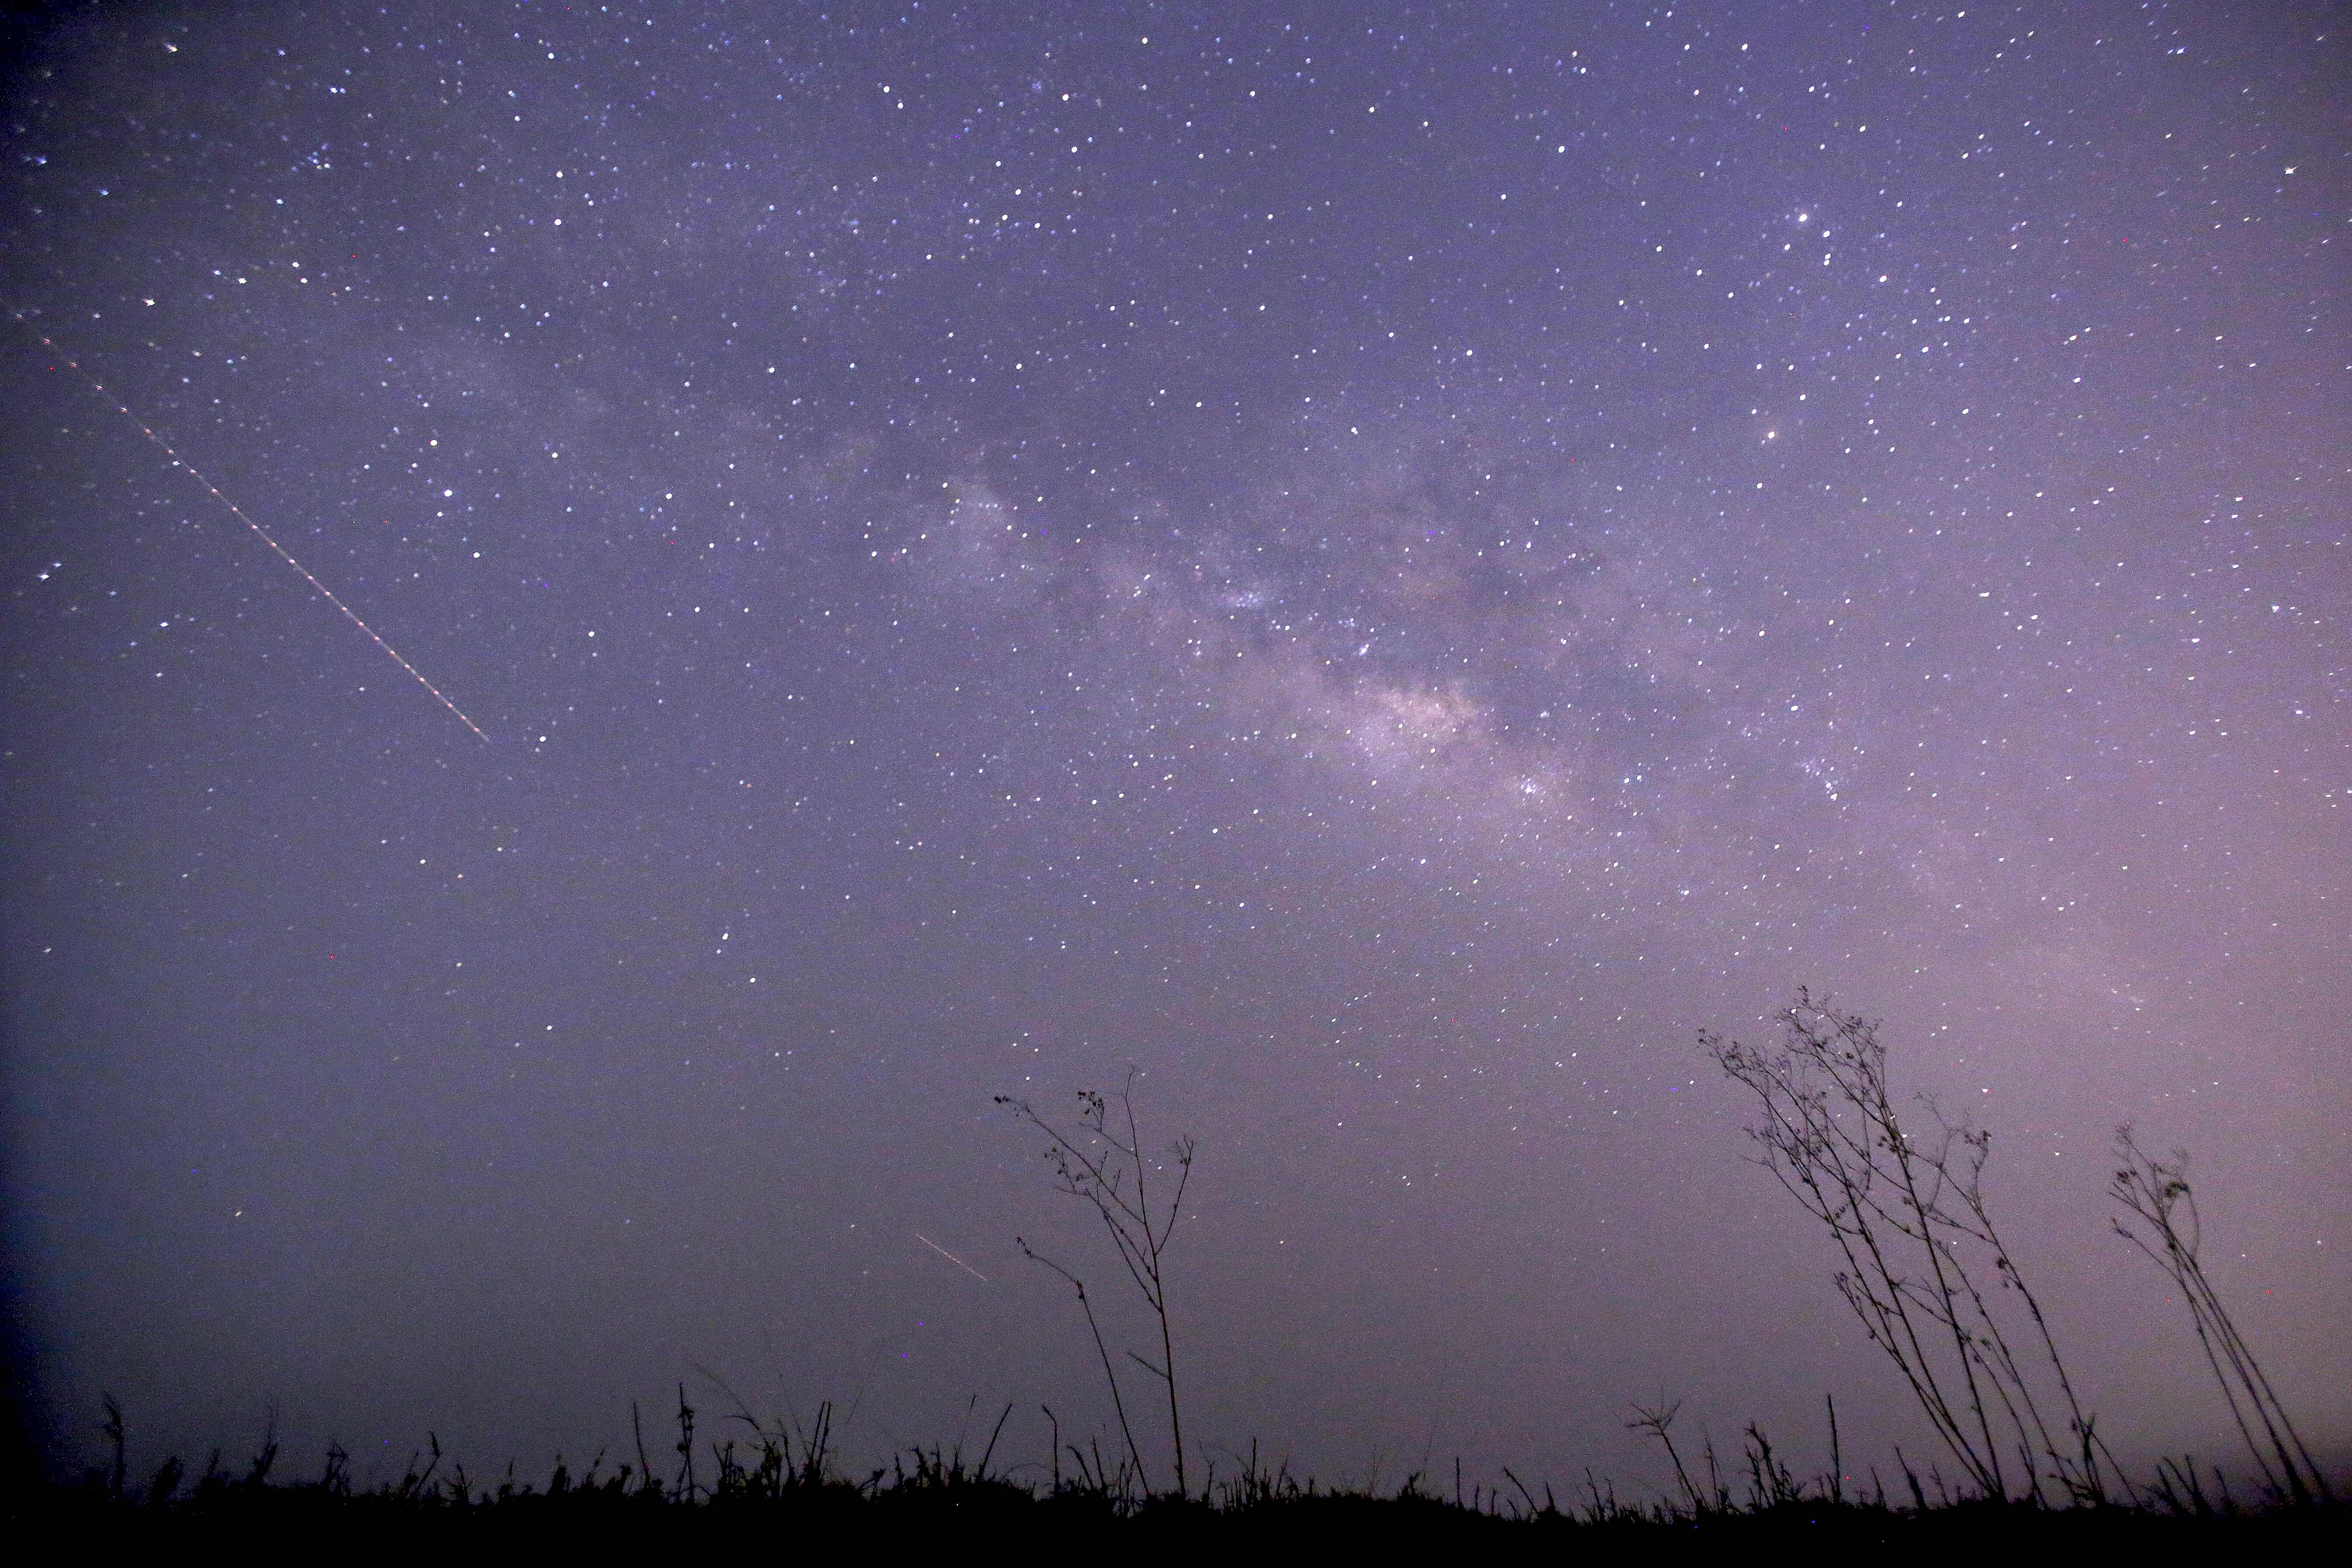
(950, 1257)
(239, 512)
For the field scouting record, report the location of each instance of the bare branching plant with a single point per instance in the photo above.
(2170, 1233)
(1103, 1164)
(1656, 1420)
(1926, 1271)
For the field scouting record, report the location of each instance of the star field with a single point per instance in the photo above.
(1386, 569)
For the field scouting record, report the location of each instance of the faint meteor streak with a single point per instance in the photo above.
(239, 512)
(950, 1257)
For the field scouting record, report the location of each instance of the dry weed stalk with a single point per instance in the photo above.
(1910, 1218)
(1096, 1165)
(2157, 1190)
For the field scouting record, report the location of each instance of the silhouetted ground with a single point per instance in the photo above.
(967, 1514)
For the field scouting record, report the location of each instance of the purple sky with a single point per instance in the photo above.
(1385, 566)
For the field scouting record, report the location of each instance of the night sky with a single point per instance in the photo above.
(1385, 566)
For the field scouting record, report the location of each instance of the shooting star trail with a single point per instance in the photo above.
(239, 512)
(950, 1257)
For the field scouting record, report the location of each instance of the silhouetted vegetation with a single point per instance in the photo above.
(1928, 1274)
(1112, 1176)
(781, 1485)
(1909, 1215)
(1921, 1249)
(2158, 1192)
